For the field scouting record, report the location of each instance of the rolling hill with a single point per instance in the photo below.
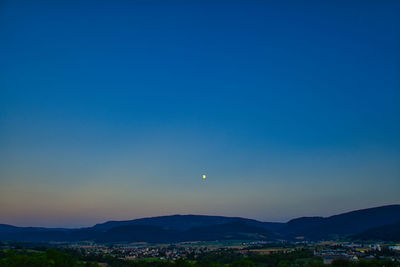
(342, 224)
(389, 232)
(185, 222)
(379, 222)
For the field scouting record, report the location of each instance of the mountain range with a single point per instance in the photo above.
(379, 223)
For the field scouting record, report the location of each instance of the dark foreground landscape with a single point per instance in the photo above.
(367, 237)
(220, 257)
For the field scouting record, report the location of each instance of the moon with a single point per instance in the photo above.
(204, 176)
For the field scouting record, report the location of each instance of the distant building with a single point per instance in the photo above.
(395, 248)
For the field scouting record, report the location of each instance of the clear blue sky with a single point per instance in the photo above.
(114, 109)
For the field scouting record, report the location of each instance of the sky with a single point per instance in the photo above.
(113, 110)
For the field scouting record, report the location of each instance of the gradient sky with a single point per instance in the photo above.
(114, 109)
